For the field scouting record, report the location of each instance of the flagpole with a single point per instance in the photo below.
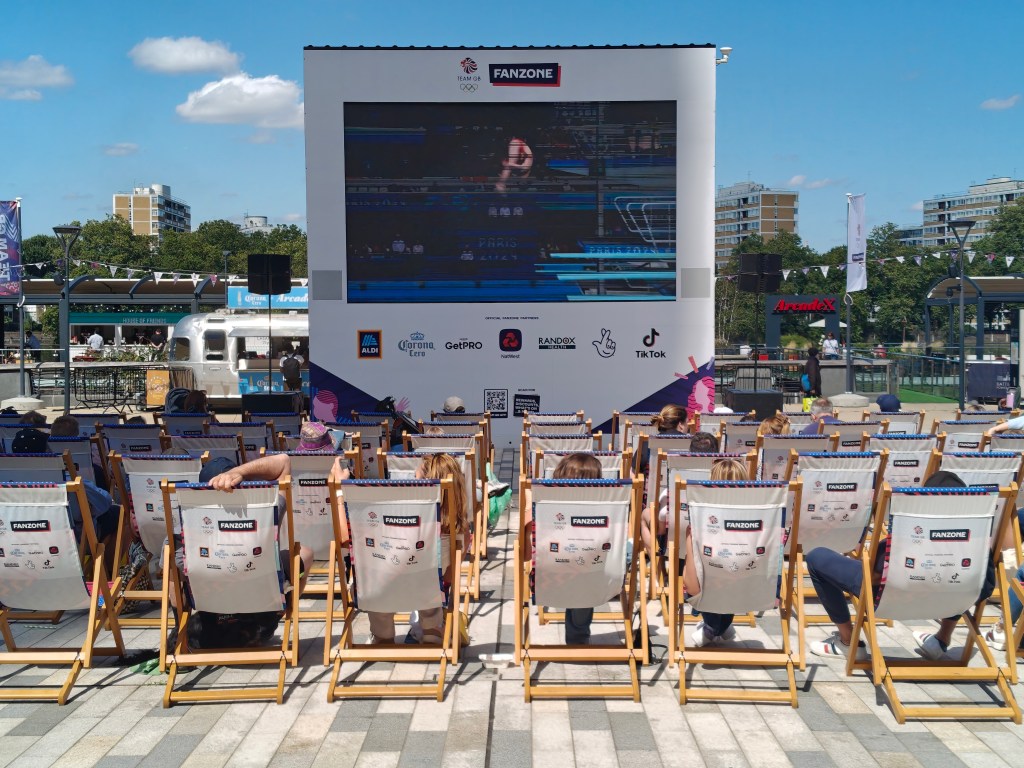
(848, 300)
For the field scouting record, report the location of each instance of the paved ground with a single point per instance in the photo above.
(115, 717)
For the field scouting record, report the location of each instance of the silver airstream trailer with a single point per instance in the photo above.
(224, 349)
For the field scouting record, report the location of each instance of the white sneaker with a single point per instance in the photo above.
(729, 634)
(929, 646)
(996, 638)
(835, 648)
(702, 636)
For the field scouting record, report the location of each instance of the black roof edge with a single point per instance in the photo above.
(501, 47)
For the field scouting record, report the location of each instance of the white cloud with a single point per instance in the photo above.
(262, 137)
(293, 217)
(998, 104)
(822, 183)
(265, 102)
(918, 206)
(121, 149)
(796, 181)
(184, 55)
(21, 80)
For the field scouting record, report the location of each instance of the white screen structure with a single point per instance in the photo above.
(528, 230)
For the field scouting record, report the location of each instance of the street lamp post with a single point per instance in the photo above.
(67, 236)
(961, 228)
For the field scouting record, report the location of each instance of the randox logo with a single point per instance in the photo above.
(547, 75)
(369, 344)
(556, 342)
(823, 305)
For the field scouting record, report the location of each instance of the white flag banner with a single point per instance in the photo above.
(856, 245)
(901, 259)
(824, 270)
(970, 257)
(785, 274)
(113, 271)
(158, 276)
(1009, 260)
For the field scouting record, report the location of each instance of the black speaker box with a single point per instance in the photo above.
(764, 401)
(760, 272)
(284, 402)
(270, 273)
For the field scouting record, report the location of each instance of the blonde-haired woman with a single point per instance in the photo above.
(435, 466)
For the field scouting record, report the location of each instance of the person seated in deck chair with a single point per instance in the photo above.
(834, 574)
(821, 410)
(67, 426)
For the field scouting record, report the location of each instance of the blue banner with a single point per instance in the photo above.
(10, 248)
(240, 298)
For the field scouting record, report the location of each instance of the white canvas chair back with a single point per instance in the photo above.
(32, 468)
(371, 439)
(838, 498)
(611, 462)
(184, 423)
(773, 453)
(87, 421)
(395, 527)
(455, 427)
(402, 465)
(372, 417)
(619, 420)
(558, 427)
(962, 436)
(534, 442)
(285, 423)
(141, 475)
(218, 446)
(737, 543)
(232, 559)
(798, 420)
(1007, 441)
(900, 422)
(634, 430)
(42, 568)
(909, 456)
(255, 434)
(851, 433)
(131, 438)
(79, 449)
(994, 415)
(688, 467)
(740, 436)
(442, 416)
(538, 419)
(311, 500)
(443, 443)
(938, 551)
(992, 470)
(670, 442)
(581, 528)
(973, 424)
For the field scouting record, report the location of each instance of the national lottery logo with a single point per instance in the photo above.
(468, 65)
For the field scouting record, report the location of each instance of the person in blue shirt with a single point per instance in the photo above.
(821, 410)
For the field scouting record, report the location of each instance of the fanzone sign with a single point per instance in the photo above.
(549, 75)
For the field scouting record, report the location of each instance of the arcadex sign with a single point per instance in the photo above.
(822, 305)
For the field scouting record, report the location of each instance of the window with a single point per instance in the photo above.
(216, 342)
(180, 349)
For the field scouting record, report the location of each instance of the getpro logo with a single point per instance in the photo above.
(510, 339)
(369, 345)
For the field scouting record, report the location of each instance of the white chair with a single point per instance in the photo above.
(183, 423)
(963, 435)
(228, 447)
(851, 433)
(740, 436)
(571, 427)
(79, 453)
(33, 468)
(256, 435)
(88, 423)
(614, 464)
(900, 422)
(372, 436)
(909, 456)
(618, 429)
(543, 419)
(536, 441)
(285, 422)
(941, 541)
(773, 452)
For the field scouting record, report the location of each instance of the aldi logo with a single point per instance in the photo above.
(370, 344)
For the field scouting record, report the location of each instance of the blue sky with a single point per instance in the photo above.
(900, 100)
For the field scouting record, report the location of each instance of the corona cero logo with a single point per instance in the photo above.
(468, 65)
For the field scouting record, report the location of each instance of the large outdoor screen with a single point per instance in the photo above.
(562, 201)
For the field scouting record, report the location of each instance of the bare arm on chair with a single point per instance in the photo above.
(265, 468)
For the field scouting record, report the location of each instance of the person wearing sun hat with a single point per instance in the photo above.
(315, 437)
(454, 405)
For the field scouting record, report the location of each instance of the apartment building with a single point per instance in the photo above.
(749, 208)
(980, 202)
(152, 210)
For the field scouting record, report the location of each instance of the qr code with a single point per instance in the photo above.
(496, 401)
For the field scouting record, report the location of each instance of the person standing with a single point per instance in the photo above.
(95, 341)
(291, 370)
(32, 345)
(812, 370)
(831, 347)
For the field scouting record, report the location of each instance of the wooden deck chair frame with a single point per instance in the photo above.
(347, 650)
(954, 430)
(470, 569)
(886, 672)
(658, 560)
(101, 616)
(64, 445)
(903, 417)
(745, 431)
(197, 422)
(551, 417)
(787, 443)
(997, 414)
(631, 599)
(619, 419)
(622, 459)
(571, 427)
(485, 416)
(800, 576)
(372, 436)
(176, 443)
(586, 442)
(282, 655)
(892, 443)
(121, 483)
(736, 655)
(255, 434)
(851, 433)
(141, 431)
(1014, 631)
(285, 422)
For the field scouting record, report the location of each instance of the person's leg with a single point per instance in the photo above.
(833, 575)
(382, 627)
(577, 625)
(432, 624)
(718, 623)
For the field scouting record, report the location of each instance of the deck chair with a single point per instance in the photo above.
(839, 494)
(384, 418)
(88, 422)
(34, 468)
(940, 543)
(964, 435)
(228, 447)
(900, 422)
(46, 569)
(441, 417)
(455, 427)
(137, 479)
(669, 467)
(991, 469)
(1006, 441)
(619, 419)
(737, 531)
(537, 419)
(634, 433)
(740, 436)
(773, 452)
(128, 438)
(372, 437)
(851, 433)
(582, 529)
(909, 456)
(78, 453)
(402, 465)
(249, 578)
(540, 441)
(183, 423)
(572, 427)
(614, 464)
(797, 420)
(255, 435)
(997, 414)
(397, 565)
(285, 422)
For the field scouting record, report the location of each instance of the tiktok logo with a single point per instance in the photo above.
(651, 338)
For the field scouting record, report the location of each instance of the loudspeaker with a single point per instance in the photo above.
(765, 401)
(270, 273)
(285, 402)
(760, 272)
